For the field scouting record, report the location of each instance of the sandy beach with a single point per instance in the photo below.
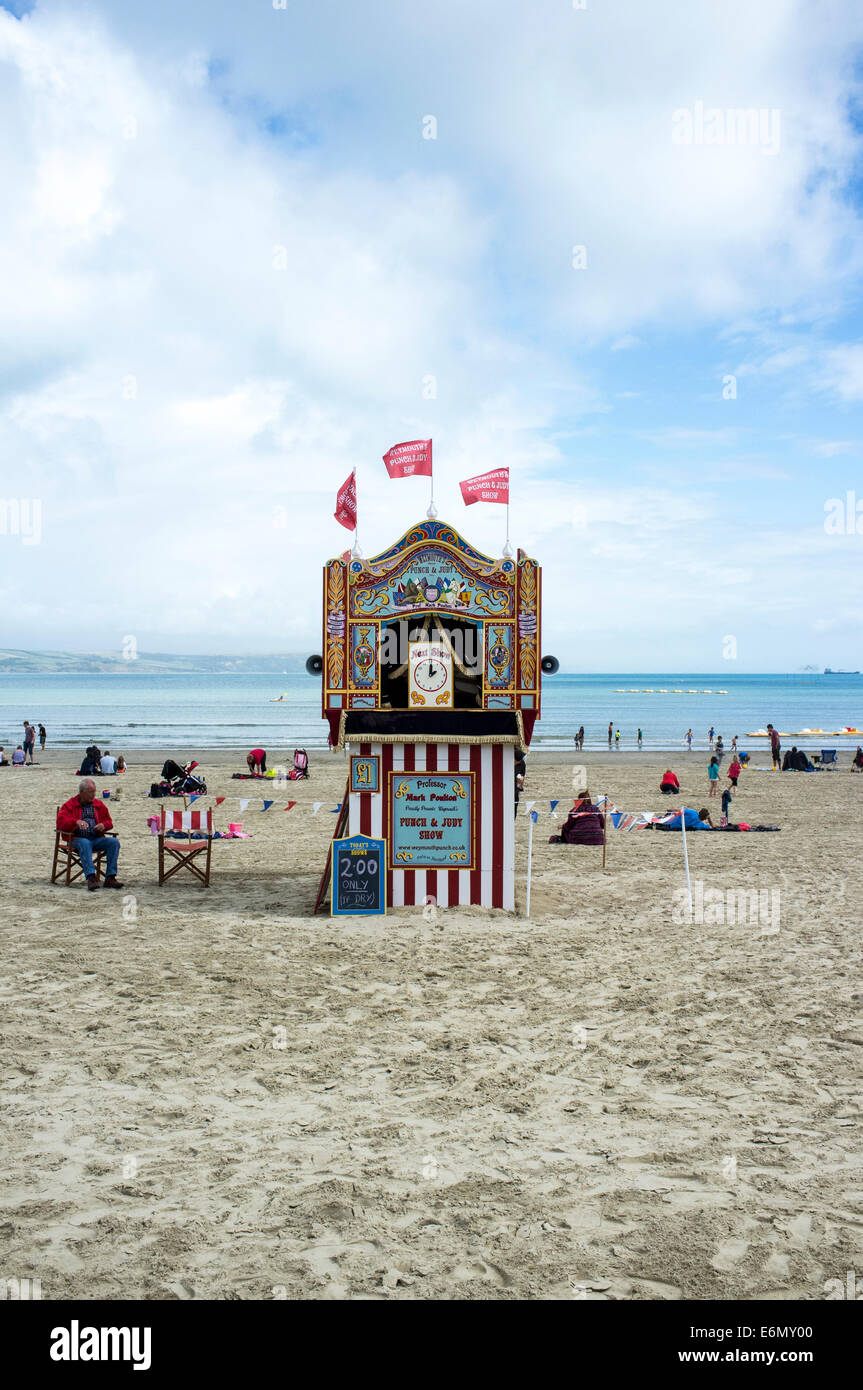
(213, 1094)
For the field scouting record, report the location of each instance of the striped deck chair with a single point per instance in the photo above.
(185, 853)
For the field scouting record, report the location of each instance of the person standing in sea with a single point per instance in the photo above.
(711, 735)
(689, 739)
(43, 734)
(639, 738)
(610, 732)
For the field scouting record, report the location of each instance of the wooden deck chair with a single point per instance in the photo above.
(67, 859)
(185, 853)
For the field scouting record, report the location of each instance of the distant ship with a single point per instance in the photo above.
(828, 672)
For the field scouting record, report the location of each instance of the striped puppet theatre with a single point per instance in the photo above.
(431, 680)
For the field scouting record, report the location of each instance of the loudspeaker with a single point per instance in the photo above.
(550, 665)
(315, 665)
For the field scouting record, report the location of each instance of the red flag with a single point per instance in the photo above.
(486, 487)
(410, 459)
(346, 503)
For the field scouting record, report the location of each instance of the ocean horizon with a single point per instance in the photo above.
(189, 712)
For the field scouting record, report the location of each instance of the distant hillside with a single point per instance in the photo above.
(147, 664)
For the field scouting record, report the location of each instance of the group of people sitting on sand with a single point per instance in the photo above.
(96, 763)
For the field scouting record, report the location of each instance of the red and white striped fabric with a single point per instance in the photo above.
(187, 820)
(491, 883)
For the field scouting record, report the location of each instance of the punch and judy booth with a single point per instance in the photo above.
(431, 681)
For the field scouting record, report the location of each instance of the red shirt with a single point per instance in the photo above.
(669, 780)
(258, 754)
(72, 811)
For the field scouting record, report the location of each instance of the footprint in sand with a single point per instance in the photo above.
(480, 1269)
(729, 1254)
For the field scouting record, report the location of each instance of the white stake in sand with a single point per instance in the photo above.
(686, 857)
(532, 815)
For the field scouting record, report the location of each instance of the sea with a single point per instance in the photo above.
(188, 713)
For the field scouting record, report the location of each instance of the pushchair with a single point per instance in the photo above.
(300, 768)
(178, 781)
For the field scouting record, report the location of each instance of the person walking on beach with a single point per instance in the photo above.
(775, 746)
(43, 734)
(579, 738)
(29, 739)
(610, 732)
(713, 777)
(720, 749)
(689, 739)
(734, 746)
(639, 738)
(734, 770)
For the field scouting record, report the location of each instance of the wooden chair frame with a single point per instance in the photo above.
(64, 850)
(185, 853)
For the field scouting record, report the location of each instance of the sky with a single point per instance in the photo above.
(246, 249)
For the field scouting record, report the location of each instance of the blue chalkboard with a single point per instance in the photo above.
(359, 877)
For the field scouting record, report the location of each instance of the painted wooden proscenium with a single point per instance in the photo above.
(431, 680)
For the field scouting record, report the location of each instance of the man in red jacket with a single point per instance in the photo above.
(86, 820)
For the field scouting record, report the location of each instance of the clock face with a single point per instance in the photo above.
(431, 675)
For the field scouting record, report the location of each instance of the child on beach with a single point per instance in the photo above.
(713, 777)
(617, 739)
(689, 739)
(734, 770)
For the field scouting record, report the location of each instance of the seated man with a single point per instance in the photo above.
(86, 820)
(669, 786)
(257, 760)
(108, 764)
(18, 757)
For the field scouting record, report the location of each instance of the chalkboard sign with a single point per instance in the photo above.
(359, 877)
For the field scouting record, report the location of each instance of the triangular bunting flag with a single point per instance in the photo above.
(316, 806)
(534, 815)
(336, 809)
(195, 798)
(219, 800)
(244, 801)
(290, 804)
(266, 806)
